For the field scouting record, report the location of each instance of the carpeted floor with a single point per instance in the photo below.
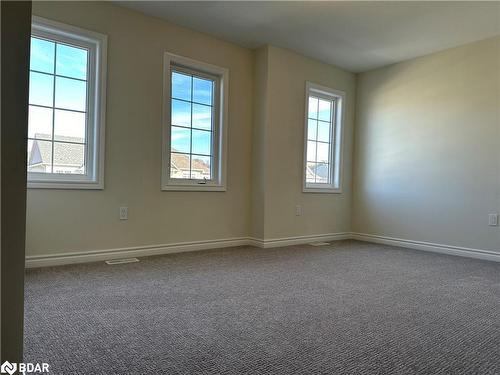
(347, 308)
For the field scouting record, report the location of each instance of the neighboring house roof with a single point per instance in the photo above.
(321, 170)
(317, 170)
(181, 162)
(67, 153)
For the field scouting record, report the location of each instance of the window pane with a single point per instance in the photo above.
(201, 142)
(322, 172)
(202, 117)
(180, 165)
(40, 122)
(71, 61)
(312, 129)
(311, 151)
(311, 172)
(69, 126)
(323, 152)
(313, 108)
(200, 167)
(42, 55)
(71, 94)
(69, 158)
(324, 111)
(202, 90)
(181, 86)
(323, 131)
(180, 139)
(181, 113)
(40, 156)
(41, 89)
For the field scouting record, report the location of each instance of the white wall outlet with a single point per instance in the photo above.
(493, 220)
(123, 213)
(298, 210)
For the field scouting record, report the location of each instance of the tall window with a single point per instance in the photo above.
(323, 139)
(194, 127)
(66, 106)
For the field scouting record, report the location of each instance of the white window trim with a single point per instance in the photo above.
(168, 183)
(336, 151)
(97, 45)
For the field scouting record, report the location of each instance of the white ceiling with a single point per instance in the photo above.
(356, 36)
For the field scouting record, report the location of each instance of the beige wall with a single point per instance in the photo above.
(259, 159)
(284, 142)
(428, 148)
(75, 220)
(265, 179)
(427, 137)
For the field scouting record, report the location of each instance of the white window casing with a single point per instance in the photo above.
(331, 181)
(218, 154)
(95, 111)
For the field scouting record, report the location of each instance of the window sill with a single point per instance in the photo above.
(193, 187)
(65, 185)
(322, 190)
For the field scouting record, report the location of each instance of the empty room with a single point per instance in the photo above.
(246, 187)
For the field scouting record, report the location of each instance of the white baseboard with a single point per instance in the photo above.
(33, 261)
(429, 246)
(298, 240)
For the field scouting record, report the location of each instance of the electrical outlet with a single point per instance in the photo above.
(298, 210)
(493, 220)
(123, 213)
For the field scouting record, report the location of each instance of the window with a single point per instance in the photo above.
(323, 139)
(66, 107)
(195, 125)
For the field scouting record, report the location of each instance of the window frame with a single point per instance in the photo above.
(220, 121)
(96, 44)
(336, 139)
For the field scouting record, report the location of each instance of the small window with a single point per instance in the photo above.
(66, 107)
(323, 139)
(194, 125)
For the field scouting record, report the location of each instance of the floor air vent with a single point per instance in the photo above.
(319, 243)
(121, 261)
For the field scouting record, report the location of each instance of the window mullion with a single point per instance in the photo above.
(316, 144)
(213, 133)
(191, 134)
(333, 141)
(53, 109)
